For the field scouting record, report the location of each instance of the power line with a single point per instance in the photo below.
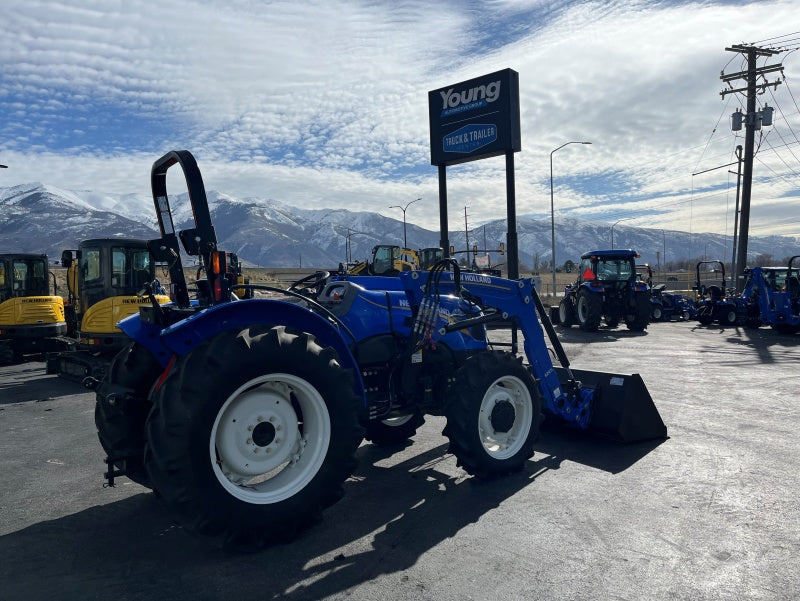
(777, 37)
(789, 89)
(789, 167)
(781, 43)
(713, 131)
(775, 173)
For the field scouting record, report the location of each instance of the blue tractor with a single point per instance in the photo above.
(664, 306)
(716, 304)
(245, 415)
(771, 297)
(669, 305)
(608, 288)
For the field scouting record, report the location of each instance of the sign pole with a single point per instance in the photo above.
(444, 241)
(511, 208)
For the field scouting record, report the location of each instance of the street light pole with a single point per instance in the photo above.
(404, 209)
(348, 246)
(612, 229)
(553, 215)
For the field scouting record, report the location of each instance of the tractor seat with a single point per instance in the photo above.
(714, 292)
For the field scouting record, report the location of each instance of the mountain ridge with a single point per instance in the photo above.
(37, 217)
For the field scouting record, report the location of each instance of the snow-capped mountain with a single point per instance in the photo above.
(42, 218)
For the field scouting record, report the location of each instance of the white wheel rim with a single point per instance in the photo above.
(261, 449)
(582, 308)
(562, 312)
(657, 313)
(505, 391)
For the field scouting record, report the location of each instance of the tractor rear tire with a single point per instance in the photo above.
(639, 315)
(730, 316)
(393, 431)
(119, 419)
(493, 413)
(656, 313)
(252, 434)
(589, 311)
(705, 315)
(566, 312)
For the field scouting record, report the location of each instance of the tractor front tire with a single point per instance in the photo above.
(120, 418)
(656, 313)
(395, 430)
(566, 312)
(493, 413)
(252, 434)
(639, 312)
(589, 310)
(730, 316)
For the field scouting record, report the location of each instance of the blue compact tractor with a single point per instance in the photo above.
(771, 297)
(667, 306)
(607, 289)
(715, 303)
(245, 415)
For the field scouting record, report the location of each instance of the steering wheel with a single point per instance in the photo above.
(312, 284)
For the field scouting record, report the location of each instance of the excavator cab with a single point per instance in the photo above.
(31, 318)
(104, 279)
(107, 267)
(428, 257)
(23, 275)
(391, 260)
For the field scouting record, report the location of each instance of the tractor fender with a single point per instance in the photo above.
(185, 335)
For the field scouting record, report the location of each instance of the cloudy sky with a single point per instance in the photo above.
(323, 103)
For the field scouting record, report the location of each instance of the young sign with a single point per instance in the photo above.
(475, 119)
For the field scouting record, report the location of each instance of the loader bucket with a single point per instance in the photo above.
(621, 408)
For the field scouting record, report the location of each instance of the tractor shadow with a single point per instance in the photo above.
(391, 515)
(28, 381)
(603, 334)
(563, 443)
(764, 345)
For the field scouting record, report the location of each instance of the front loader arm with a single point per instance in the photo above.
(612, 405)
(517, 301)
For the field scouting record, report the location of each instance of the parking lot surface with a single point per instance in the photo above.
(710, 513)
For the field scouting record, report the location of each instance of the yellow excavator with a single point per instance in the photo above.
(391, 260)
(104, 277)
(32, 320)
(428, 257)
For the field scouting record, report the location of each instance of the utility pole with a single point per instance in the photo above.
(736, 212)
(752, 121)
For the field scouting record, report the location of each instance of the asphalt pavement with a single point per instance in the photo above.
(711, 513)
